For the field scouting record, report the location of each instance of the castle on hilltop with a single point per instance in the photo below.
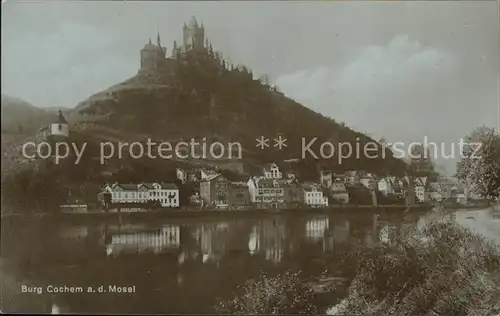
(155, 56)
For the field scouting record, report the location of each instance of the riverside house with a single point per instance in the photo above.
(214, 191)
(127, 193)
(239, 195)
(266, 193)
(313, 195)
(165, 193)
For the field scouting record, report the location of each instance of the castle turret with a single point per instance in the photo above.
(174, 49)
(193, 36)
(153, 56)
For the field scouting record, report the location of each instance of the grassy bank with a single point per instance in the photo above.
(440, 268)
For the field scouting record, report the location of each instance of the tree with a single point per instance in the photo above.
(480, 163)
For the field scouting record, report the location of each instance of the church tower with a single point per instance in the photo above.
(59, 129)
(193, 36)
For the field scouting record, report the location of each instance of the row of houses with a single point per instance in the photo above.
(274, 189)
(425, 191)
(271, 190)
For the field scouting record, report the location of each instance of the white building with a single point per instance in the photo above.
(313, 195)
(368, 181)
(386, 185)
(266, 193)
(128, 193)
(327, 178)
(272, 171)
(181, 175)
(166, 193)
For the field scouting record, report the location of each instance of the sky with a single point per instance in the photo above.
(398, 70)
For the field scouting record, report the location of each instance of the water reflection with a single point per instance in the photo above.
(169, 260)
(271, 238)
(316, 227)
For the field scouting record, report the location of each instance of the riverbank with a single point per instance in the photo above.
(218, 212)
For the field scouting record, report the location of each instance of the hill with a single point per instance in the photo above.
(201, 96)
(21, 117)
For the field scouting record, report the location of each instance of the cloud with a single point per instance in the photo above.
(377, 72)
(383, 90)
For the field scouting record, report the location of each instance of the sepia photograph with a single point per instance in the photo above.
(250, 157)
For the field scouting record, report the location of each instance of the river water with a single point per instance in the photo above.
(173, 265)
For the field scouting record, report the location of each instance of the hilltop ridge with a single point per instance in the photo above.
(193, 92)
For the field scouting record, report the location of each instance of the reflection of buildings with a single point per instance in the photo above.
(157, 241)
(338, 234)
(213, 241)
(273, 239)
(253, 240)
(316, 227)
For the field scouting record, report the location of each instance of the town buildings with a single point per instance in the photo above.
(167, 194)
(272, 188)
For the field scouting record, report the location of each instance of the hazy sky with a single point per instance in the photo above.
(399, 70)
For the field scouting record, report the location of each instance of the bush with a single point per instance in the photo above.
(285, 293)
(442, 269)
(439, 268)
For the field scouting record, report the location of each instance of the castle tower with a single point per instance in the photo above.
(153, 56)
(193, 36)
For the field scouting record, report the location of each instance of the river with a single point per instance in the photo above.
(172, 265)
